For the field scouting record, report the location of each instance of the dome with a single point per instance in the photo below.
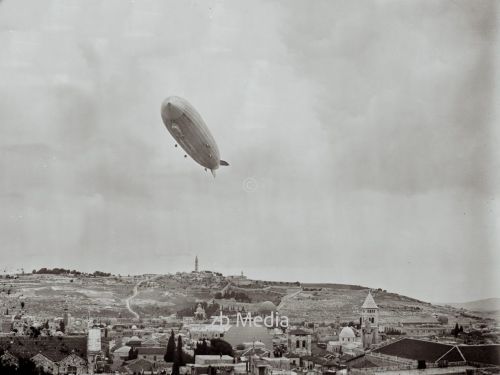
(346, 332)
(267, 306)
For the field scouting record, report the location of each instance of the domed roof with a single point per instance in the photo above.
(239, 334)
(134, 339)
(347, 332)
(267, 305)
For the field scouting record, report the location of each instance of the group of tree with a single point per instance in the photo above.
(55, 271)
(176, 354)
(25, 367)
(238, 296)
(278, 352)
(351, 324)
(62, 326)
(63, 271)
(101, 274)
(216, 347)
(455, 331)
(34, 332)
(132, 354)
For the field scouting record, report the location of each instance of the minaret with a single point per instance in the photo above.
(66, 319)
(196, 264)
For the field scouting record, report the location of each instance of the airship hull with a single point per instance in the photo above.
(187, 127)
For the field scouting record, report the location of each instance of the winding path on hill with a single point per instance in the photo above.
(134, 294)
(287, 297)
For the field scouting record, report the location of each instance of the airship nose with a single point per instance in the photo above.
(170, 110)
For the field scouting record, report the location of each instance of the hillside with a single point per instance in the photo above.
(482, 305)
(161, 295)
(326, 303)
(49, 295)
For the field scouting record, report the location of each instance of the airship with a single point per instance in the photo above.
(187, 127)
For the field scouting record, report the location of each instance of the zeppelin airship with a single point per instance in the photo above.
(187, 127)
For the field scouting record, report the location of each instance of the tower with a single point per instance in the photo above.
(66, 319)
(369, 321)
(94, 348)
(196, 263)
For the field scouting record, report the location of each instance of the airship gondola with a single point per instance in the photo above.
(187, 127)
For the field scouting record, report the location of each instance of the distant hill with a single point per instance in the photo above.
(48, 292)
(482, 305)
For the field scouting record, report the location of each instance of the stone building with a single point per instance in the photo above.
(299, 342)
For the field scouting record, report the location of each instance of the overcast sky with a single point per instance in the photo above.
(360, 135)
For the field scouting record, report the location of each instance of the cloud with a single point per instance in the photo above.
(367, 127)
(404, 92)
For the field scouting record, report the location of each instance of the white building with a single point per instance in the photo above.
(199, 332)
(348, 342)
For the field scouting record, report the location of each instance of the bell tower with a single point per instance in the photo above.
(369, 321)
(369, 311)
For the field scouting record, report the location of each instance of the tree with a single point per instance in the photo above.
(62, 326)
(22, 305)
(204, 347)
(179, 358)
(34, 332)
(220, 347)
(442, 319)
(175, 369)
(201, 348)
(132, 353)
(170, 353)
(455, 330)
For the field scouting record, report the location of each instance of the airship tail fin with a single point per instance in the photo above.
(213, 172)
(223, 162)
